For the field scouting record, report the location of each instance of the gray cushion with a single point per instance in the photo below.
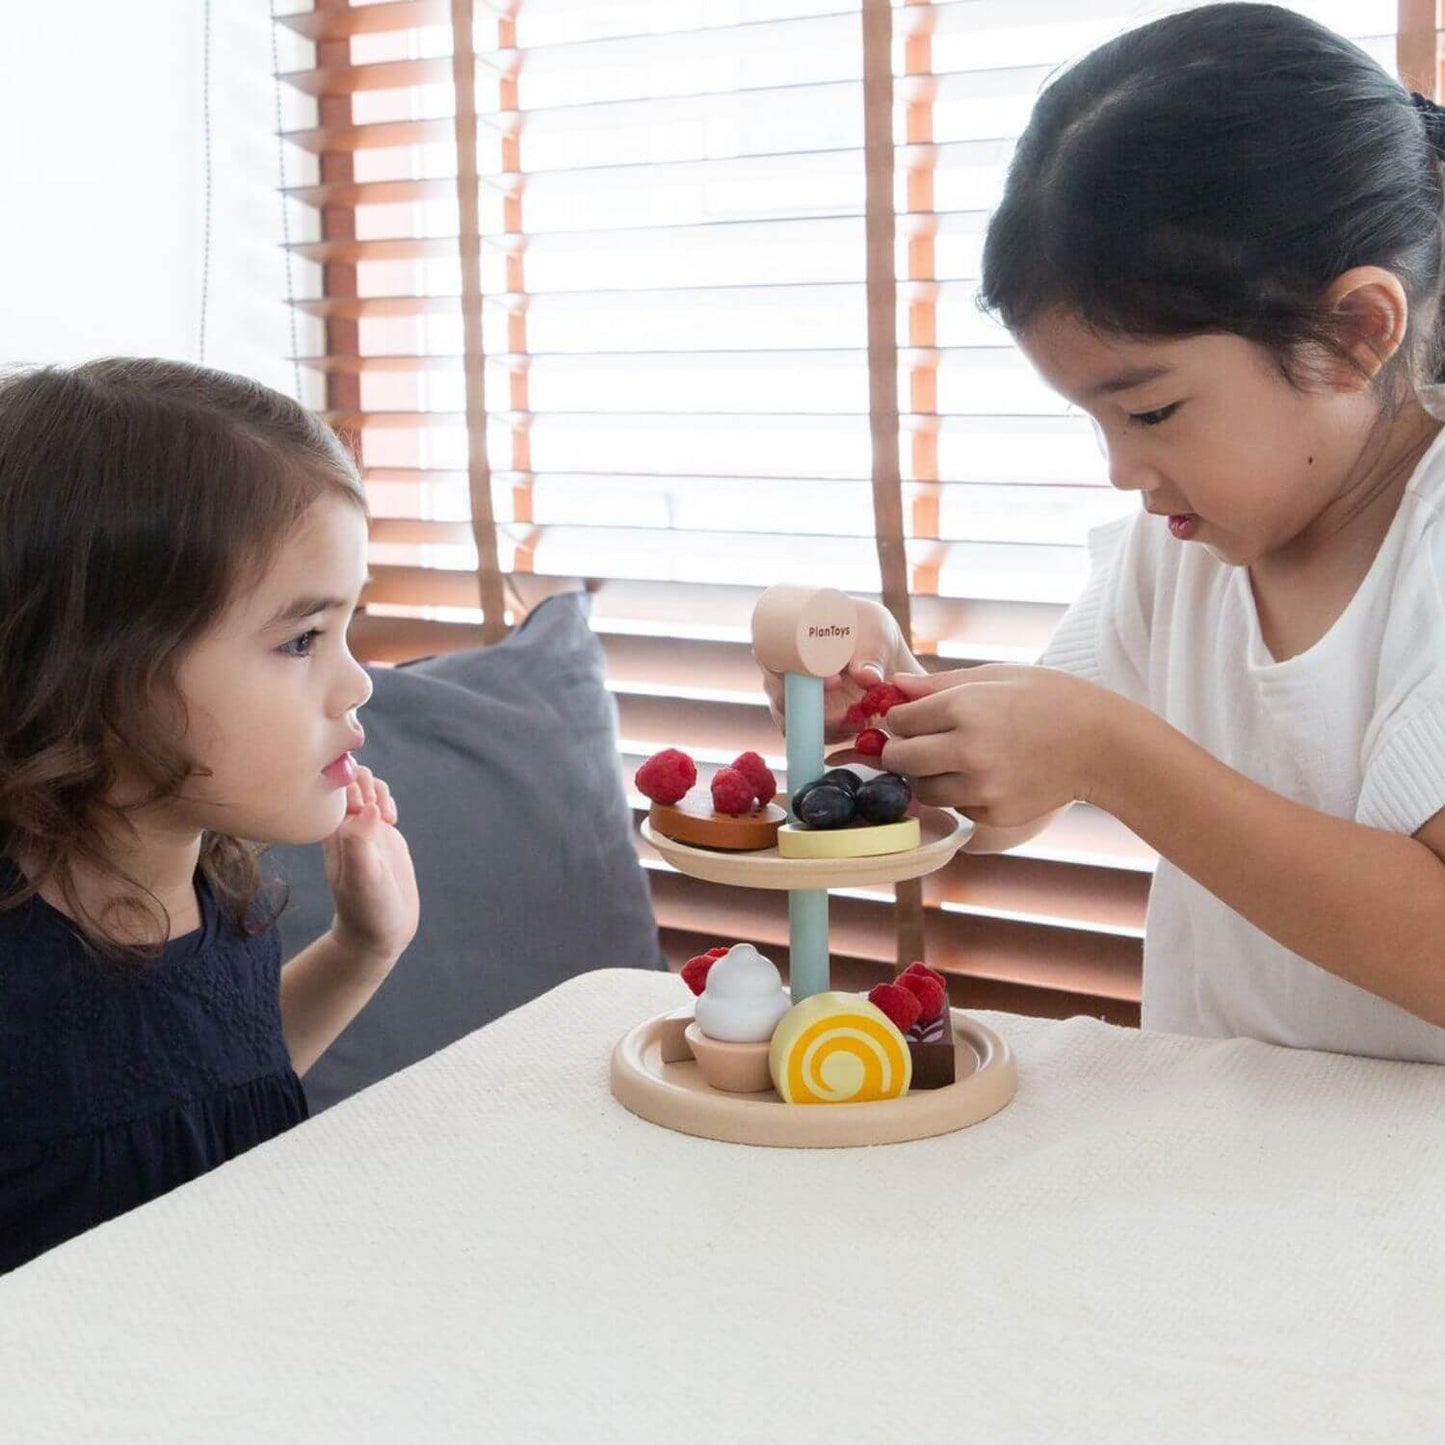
(504, 765)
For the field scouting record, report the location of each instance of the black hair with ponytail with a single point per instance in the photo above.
(1215, 171)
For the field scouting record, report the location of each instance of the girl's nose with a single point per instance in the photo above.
(354, 688)
(363, 685)
(1128, 474)
(1125, 471)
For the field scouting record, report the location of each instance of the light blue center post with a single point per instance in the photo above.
(807, 907)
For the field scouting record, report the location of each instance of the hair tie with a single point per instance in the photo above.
(1433, 117)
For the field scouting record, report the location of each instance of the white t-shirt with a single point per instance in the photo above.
(1354, 727)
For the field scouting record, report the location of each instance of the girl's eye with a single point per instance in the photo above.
(1154, 418)
(301, 646)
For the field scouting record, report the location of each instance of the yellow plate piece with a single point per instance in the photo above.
(866, 840)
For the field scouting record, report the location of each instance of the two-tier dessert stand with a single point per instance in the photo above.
(807, 634)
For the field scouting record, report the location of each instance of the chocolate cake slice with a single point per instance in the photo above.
(930, 1042)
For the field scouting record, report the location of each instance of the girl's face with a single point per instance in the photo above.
(272, 692)
(1209, 432)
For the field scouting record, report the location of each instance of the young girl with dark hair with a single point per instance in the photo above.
(180, 554)
(1221, 239)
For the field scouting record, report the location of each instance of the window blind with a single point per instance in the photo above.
(677, 303)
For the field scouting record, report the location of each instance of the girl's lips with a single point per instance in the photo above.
(341, 772)
(1183, 525)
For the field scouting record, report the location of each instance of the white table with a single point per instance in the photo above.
(1161, 1240)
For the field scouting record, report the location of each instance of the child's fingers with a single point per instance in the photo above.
(945, 790)
(918, 685)
(359, 831)
(926, 684)
(939, 712)
(385, 802)
(932, 755)
(361, 791)
(879, 648)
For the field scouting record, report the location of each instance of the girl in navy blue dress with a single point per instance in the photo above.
(180, 554)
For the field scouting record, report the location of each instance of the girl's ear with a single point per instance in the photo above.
(1373, 314)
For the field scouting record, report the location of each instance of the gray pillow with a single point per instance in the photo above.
(504, 765)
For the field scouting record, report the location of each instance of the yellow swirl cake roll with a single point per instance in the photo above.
(837, 1048)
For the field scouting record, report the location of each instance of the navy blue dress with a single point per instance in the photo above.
(120, 1081)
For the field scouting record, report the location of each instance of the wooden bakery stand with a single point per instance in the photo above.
(807, 634)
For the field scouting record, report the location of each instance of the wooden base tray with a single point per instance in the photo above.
(677, 1097)
(943, 835)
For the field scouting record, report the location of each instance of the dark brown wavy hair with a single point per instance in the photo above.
(137, 498)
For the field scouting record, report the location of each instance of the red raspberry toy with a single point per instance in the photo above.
(898, 1003)
(931, 995)
(732, 792)
(695, 970)
(884, 696)
(870, 742)
(875, 703)
(666, 776)
(918, 966)
(759, 774)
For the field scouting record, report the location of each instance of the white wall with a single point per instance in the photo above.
(102, 194)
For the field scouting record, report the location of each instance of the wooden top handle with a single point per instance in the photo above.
(809, 630)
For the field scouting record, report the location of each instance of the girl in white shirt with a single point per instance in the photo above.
(1221, 238)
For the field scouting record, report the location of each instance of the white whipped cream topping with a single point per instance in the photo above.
(743, 998)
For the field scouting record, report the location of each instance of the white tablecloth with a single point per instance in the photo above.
(1160, 1240)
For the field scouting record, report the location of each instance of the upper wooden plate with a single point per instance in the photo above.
(944, 833)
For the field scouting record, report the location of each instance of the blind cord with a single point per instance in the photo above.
(285, 218)
(206, 162)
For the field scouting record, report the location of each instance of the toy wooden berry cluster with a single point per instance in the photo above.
(741, 816)
(874, 703)
(841, 815)
(840, 798)
(831, 1048)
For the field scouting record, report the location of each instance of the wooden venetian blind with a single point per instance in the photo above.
(675, 301)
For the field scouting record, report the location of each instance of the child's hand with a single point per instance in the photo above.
(1002, 744)
(368, 866)
(878, 650)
